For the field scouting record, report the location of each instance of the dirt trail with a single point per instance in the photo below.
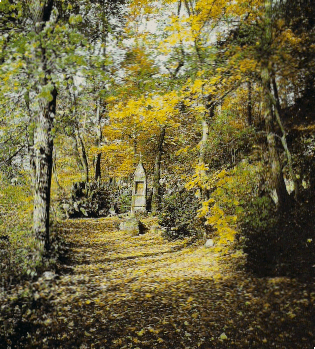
(121, 291)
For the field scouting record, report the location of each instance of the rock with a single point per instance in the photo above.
(209, 243)
(155, 229)
(48, 275)
(131, 225)
(112, 213)
(66, 207)
(134, 226)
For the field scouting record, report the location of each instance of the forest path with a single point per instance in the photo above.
(121, 291)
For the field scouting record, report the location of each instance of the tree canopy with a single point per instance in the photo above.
(207, 92)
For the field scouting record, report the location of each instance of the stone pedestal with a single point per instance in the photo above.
(139, 192)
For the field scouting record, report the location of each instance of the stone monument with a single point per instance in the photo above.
(133, 224)
(139, 192)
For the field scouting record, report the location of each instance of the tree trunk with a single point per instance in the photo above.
(156, 195)
(42, 152)
(98, 142)
(277, 107)
(202, 156)
(98, 166)
(275, 164)
(278, 183)
(77, 154)
(54, 169)
(204, 140)
(42, 165)
(84, 157)
(276, 93)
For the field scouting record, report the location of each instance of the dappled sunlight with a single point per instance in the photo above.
(122, 291)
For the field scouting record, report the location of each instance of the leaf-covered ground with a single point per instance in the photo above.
(120, 291)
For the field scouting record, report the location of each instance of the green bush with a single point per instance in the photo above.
(124, 200)
(178, 215)
(21, 264)
(96, 199)
(19, 256)
(88, 200)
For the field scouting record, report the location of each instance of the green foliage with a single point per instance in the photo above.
(96, 199)
(178, 215)
(229, 192)
(260, 213)
(19, 256)
(229, 139)
(123, 200)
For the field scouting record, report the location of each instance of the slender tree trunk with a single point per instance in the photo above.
(204, 140)
(156, 195)
(84, 157)
(98, 143)
(202, 156)
(98, 166)
(210, 106)
(277, 107)
(77, 152)
(54, 169)
(276, 94)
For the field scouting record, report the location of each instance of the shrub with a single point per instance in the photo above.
(123, 200)
(19, 257)
(229, 192)
(21, 264)
(178, 215)
(95, 199)
(88, 200)
(280, 243)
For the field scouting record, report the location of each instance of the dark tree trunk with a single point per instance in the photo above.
(156, 195)
(277, 178)
(98, 166)
(98, 142)
(84, 157)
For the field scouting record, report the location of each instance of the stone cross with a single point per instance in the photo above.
(139, 192)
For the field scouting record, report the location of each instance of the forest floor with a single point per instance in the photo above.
(123, 291)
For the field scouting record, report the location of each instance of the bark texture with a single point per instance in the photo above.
(277, 178)
(98, 142)
(84, 158)
(42, 165)
(276, 170)
(42, 150)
